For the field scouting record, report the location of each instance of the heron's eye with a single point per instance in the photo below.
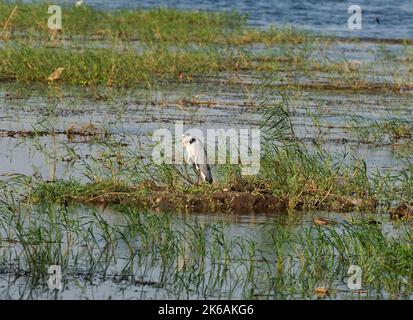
(192, 140)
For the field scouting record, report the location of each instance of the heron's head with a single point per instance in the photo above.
(187, 139)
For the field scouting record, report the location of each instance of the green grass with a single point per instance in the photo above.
(166, 25)
(182, 258)
(112, 68)
(292, 180)
(173, 45)
(149, 26)
(41, 222)
(291, 177)
(40, 226)
(389, 130)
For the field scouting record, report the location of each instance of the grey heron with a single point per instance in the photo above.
(197, 156)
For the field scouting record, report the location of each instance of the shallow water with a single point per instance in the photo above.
(132, 118)
(102, 269)
(96, 269)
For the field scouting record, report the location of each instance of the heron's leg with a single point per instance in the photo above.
(187, 173)
(190, 162)
(196, 172)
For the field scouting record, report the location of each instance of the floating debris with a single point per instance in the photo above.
(321, 291)
(402, 211)
(323, 221)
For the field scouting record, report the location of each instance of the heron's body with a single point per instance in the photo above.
(197, 156)
(79, 3)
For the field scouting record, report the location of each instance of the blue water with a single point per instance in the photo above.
(320, 16)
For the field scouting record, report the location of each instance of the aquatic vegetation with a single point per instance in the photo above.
(292, 176)
(288, 180)
(112, 68)
(176, 257)
(177, 46)
(160, 25)
(101, 208)
(144, 25)
(391, 130)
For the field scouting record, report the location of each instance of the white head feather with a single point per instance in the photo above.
(195, 149)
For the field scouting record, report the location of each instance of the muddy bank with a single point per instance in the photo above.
(216, 202)
(86, 130)
(209, 199)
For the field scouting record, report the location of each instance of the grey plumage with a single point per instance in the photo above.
(197, 156)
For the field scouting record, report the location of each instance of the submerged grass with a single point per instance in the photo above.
(390, 130)
(173, 257)
(40, 227)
